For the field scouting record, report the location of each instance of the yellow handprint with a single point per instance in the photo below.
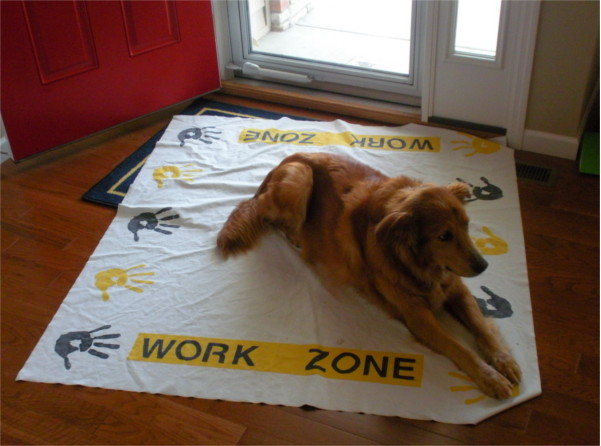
(491, 245)
(173, 172)
(479, 145)
(466, 388)
(117, 276)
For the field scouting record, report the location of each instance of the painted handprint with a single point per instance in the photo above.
(471, 387)
(151, 221)
(487, 192)
(120, 277)
(478, 145)
(492, 244)
(160, 174)
(497, 306)
(64, 346)
(204, 134)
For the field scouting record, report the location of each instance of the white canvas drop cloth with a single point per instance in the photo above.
(156, 310)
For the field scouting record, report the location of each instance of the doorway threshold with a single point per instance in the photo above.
(357, 107)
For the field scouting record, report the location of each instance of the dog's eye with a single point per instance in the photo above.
(446, 236)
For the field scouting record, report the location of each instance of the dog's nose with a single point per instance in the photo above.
(479, 265)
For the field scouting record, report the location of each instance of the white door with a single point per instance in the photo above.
(486, 83)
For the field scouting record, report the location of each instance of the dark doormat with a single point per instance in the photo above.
(111, 190)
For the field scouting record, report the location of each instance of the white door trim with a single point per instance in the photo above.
(430, 34)
(525, 25)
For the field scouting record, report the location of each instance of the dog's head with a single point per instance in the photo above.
(428, 225)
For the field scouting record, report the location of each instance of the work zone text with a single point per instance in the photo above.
(294, 359)
(384, 142)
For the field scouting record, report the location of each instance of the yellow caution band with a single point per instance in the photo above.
(422, 144)
(294, 359)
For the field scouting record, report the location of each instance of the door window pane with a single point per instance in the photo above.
(373, 35)
(477, 28)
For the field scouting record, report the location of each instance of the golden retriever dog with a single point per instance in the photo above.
(401, 243)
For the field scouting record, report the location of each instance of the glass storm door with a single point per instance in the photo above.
(352, 46)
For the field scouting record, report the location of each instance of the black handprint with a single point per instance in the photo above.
(502, 307)
(64, 348)
(150, 221)
(487, 192)
(204, 134)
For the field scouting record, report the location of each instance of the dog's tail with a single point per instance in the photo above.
(242, 229)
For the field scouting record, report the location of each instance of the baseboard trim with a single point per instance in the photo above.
(551, 144)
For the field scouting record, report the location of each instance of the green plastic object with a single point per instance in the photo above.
(589, 153)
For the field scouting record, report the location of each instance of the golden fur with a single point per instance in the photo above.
(402, 243)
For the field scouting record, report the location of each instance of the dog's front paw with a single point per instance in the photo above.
(507, 366)
(493, 384)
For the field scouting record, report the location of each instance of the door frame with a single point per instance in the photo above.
(523, 17)
(526, 25)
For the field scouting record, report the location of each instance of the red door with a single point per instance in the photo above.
(71, 68)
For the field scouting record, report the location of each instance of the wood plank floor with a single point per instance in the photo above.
(48, 233)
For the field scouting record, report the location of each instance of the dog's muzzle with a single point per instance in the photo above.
(479, 265)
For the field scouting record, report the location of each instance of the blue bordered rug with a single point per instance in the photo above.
(111, 190)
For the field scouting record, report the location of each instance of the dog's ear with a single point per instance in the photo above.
(460, 190)
(396, 225)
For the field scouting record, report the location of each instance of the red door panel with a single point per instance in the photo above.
(71, 68)
(61, 39)
(150, 26)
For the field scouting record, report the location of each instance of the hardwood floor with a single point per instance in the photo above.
(48, 233)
